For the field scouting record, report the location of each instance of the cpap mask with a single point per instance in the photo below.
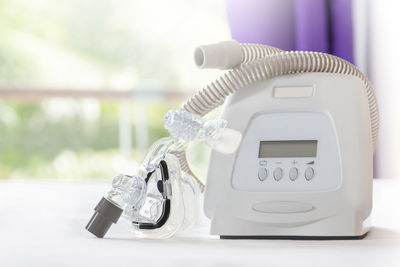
(161, 197)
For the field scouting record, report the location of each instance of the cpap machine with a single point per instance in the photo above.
(292, 152)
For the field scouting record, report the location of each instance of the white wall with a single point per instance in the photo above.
(384, 72)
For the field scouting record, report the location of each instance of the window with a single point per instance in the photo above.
(84, 85)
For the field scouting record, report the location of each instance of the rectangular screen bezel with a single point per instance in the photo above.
(311, 147)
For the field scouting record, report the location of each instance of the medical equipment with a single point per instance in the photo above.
(160, 198)
(296, 160)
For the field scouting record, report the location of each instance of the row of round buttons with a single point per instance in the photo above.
(278, 173)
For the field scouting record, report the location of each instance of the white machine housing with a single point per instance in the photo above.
(317, 123)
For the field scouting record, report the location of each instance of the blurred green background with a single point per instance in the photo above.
(35, 143)
(112, 46)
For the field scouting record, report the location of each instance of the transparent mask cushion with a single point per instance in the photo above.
(156, 207)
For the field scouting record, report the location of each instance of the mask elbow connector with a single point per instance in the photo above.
(106, 213)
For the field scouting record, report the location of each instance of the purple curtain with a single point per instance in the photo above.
(308, 25)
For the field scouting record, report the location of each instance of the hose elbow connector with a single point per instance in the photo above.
(223, 55)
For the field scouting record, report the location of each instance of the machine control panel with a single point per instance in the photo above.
(288, 152)
(287, 158)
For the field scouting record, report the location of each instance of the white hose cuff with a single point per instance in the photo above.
(223, 55)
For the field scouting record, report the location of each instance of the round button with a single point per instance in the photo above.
(262, 173)
(278, 173)
(309, 173)
(293, 173)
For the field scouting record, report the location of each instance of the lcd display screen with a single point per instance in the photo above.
(288, 149)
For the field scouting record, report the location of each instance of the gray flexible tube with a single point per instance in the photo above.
(263, 62)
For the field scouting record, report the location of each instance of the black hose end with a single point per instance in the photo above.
(106, 213)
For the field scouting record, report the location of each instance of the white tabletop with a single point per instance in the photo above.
(42, 224)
